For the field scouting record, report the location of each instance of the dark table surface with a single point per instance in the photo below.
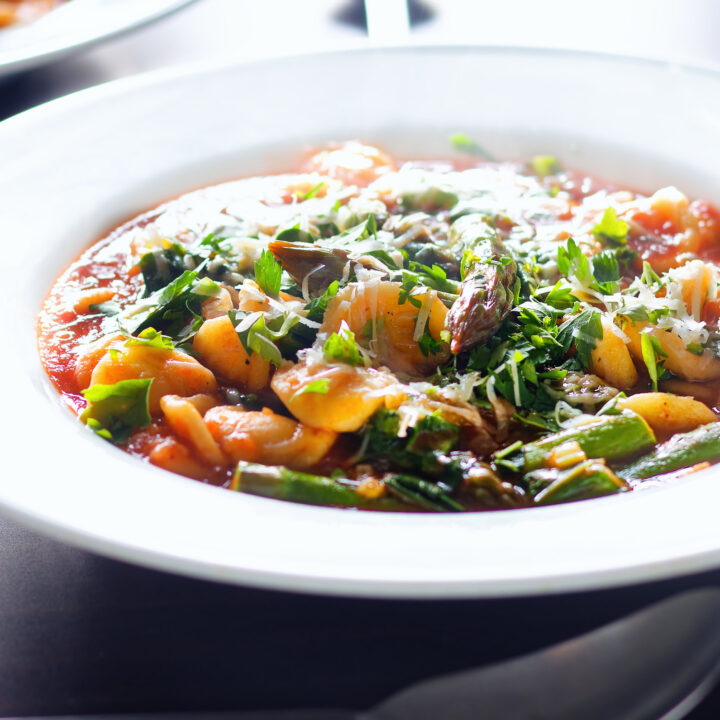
(82, 634)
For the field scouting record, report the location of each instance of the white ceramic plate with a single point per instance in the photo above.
(77, 166)
(75, 25)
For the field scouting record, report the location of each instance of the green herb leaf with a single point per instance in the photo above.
(573, 263)
(114, 411)
(544, 165)
(583, 330)
(294, 234)
(150, 337)
(610, 230)
(651, 354)
(428, 344)
(313, 191)
(695, 348)
(172, 310)
(268, 274)
(263, 335)
(341, 347)
(607, 272)
(321, 386)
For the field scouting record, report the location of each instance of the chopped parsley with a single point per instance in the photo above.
(611, 230)
(342, 347)
(268, 274)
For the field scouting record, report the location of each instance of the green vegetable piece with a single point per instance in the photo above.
(544, 165)
(315, 266)
(489, 282)
(681, 451)
(293, 235)
(114, 411)
(465, 144)
(321, 386)
(313, 191)
(652, 353)
(261, 339)
(172, 310)
(268, 274)
(161, 266)
(588, 479)
(430, 199)
(611, 437)
(610, 230)
(341, 347)
(572, 262)
(583, 331)
(423, 493)
(285, 484)
(150, 337)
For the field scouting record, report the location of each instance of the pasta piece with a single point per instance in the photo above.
(89, 356)
(679, 360)
(173, 372)
(353, 163)
(218, 305)
(611, 359)
(92, 296)
(221, 350)
(334, 397)
(170, 454)
(185, 420)
(267, 438)
(668, 414)
(392, 329)
(709, 393)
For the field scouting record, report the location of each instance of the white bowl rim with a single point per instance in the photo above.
(202, 562)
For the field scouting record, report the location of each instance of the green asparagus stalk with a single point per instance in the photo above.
(488, 289)
(285, 484)
(611, 437)
(588, 479)
(681, 451)
(320, 265)
(423, 493)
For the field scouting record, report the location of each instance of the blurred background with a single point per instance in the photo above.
(683, 31)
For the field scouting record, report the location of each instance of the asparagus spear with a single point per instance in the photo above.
(488, 289)
(285, 484)
(612, 437)
(681, 451)
(424, 493)
(587, 479)
(322, 266)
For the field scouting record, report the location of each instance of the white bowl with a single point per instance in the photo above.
(77, 166)
(73, 26)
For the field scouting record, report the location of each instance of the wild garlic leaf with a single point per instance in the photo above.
(114, 411)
